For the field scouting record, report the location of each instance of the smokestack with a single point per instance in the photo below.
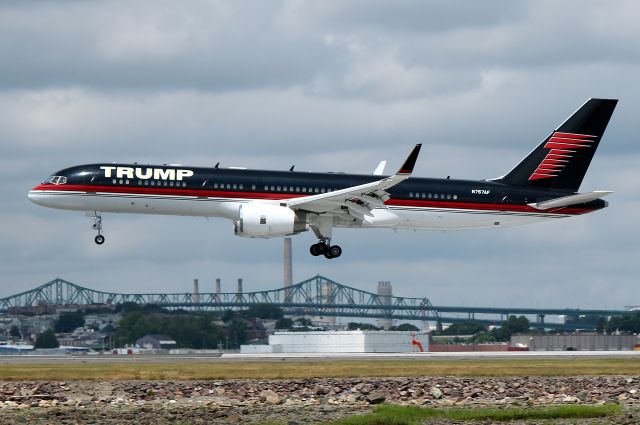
(218, 289)
(196, 291)
(239, 286)
(288, 267)
(385, 293)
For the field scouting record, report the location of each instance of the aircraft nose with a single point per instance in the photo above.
(35, 196)
(32, 196)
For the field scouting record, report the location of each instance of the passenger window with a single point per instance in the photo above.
(455, 196)
(448, 196)
(273, 188)
(253, 187)
(215, 185)
(278, 188)
(410, 194)
(297, 189)
(228, 185)
(171, 184)
(241, 186)
(235, 186)
(114, 181)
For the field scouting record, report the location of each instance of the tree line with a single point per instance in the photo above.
(230, 328)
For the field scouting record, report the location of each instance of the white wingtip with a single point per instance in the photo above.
(380, 168)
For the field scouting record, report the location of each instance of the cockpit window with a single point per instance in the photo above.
(56, 180)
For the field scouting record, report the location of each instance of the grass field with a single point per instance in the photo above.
(403, 415)
(329, 369)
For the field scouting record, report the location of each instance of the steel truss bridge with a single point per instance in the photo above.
(317, 296)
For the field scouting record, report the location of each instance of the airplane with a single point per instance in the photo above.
(265, 204)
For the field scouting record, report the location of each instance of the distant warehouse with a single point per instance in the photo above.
(577, 342)
(340, 342)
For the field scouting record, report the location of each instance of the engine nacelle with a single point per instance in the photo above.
(268, 221)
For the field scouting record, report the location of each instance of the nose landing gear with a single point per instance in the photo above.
(97, 225)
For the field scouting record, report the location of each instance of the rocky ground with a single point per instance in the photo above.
(304, 401)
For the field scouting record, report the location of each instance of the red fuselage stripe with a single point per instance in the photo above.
(426, 203)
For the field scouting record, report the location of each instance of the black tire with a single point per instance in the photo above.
(335, 251)
(99, 239)
(318, 249)
(328, 255)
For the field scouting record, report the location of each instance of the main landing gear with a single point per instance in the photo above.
(97, 225)
(325, 248)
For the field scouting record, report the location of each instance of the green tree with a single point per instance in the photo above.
(304, 322)
(15, 332)
(264, 311)
(46, 339)
(284, 323)
(189, 330)
(237, 332)
(482, 338)
(625, 323)
(405, 327)
(227, 315)
(68, 321)
(511, 326)
(362, 326)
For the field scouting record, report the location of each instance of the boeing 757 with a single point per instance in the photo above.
(265, 204)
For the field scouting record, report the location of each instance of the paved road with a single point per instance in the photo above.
(309, 357)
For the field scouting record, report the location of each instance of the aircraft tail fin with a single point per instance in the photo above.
(561, 160)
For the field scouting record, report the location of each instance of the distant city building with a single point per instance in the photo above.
(385, 292)
(156, 342)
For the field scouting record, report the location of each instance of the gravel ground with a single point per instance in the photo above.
(304, 401)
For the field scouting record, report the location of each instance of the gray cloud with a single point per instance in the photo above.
(326, 86)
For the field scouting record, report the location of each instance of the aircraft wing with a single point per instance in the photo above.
(570, 200)
(357, 201)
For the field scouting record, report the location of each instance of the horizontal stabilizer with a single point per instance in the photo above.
(580, 198)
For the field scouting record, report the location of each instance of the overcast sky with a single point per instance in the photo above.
(327, 86)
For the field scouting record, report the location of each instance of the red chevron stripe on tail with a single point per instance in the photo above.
(560, 146)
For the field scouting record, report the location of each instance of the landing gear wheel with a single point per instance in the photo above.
(318, 249)
(97, 225)
(333, 252)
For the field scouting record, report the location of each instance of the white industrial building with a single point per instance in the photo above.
(339, 342)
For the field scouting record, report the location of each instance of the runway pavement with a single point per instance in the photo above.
(309, 357)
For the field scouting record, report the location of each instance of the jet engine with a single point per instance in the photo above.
(267, 221)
